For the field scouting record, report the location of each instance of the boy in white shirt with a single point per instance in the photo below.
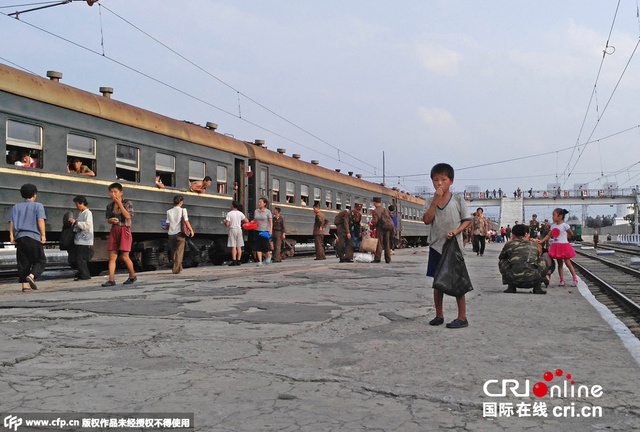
(234, 220)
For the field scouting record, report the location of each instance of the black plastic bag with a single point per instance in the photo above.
(66, 235)
(451, 275)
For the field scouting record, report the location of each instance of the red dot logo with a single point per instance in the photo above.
(540, 389)
(559, 372)
(548, 376)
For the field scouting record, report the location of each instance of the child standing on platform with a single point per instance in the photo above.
(119, 214)
(560, 249)
(448, 215)
(27, 232)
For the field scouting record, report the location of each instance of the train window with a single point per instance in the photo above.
(196, 170)
(304, 195)
(328, 199)
(347, 203)
(83, 149)
(263, 182)
(127, 163)
(338, 200)
(24, 144)
(290, 192)
(166, 169)
(316, 196)
(222, 179)
(275, 190)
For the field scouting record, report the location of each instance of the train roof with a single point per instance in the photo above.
(56, 93)
(291, 163)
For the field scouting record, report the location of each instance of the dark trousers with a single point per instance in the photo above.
(277, 246)
(319, 242)
(344, 246)
(479, 242)
(82, 255)
(384, 242)
(31, 258)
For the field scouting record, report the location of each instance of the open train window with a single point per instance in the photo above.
(196, 170)
(275, 190)
(222, 179)
(328, 199)
(304, 195)
(347, 203)
(83, 149)
(338, 200)
(24, 144)
(166, 169)
(290, 192)
(127, 163)
(316, 196)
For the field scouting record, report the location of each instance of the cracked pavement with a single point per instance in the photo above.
(307, 345)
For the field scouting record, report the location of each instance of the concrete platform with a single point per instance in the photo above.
(309, 345)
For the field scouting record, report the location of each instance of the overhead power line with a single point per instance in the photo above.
(173, 87)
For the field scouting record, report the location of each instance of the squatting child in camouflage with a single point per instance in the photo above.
(520, 263)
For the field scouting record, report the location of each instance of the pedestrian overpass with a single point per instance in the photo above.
(512, 208)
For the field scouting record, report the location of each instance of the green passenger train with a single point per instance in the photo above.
(55, 123)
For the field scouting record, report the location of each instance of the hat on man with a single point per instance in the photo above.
(358, 205)
(377, 199)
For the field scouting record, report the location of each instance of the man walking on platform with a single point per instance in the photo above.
(534, 226)
(344, 243)
(479, 227)
(279, 230)
(319, 225)
(382, 221)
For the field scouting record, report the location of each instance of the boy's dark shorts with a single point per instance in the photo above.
(434, 259)
(120, 239)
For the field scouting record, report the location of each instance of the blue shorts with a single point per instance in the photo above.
(434, 259)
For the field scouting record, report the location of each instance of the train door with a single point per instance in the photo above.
(239, 184)
(258, 177)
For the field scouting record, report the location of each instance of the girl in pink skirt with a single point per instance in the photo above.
(560, 249)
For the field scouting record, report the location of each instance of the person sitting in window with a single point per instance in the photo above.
(76, 167)
(26, 160)
(159, 183)
(201, 186)
(12, 157)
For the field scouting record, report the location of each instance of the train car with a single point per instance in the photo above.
(576, 229)
(54, 123)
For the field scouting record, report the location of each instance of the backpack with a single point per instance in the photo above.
(386, 221)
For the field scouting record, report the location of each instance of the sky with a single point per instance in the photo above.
(510, 93)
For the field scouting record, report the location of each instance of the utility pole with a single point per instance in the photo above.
(636, 206)
(384, 181)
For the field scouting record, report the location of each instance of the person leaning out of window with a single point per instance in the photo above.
(76, 167)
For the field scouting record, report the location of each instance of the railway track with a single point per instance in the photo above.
(614, 281)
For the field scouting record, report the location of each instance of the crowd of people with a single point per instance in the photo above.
(526, 260)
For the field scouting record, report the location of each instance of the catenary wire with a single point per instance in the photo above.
(240, 93)
(172, 87)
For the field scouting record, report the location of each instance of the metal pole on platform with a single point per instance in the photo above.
(636, 211)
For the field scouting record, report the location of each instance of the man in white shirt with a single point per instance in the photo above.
(177, 238)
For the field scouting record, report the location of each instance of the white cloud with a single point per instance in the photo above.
(437, 117)
(438, 59)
